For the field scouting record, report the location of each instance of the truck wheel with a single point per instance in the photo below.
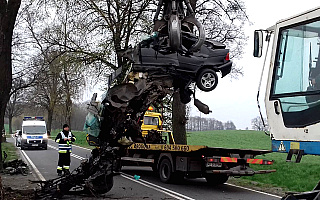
(165, 171)
(45, 147)
(22, 147)
(216, 179)
(207, 80)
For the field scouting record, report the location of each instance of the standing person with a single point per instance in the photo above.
(65, 139)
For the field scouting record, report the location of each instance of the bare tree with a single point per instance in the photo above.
(257, 124)
(14, 106)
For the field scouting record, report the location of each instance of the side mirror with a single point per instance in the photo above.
(258, 43)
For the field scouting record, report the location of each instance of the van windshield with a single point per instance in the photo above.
(34, 130)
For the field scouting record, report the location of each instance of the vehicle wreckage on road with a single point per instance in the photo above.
(167, 62)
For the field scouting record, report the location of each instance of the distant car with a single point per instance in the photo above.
(154, 54)
(18, 137)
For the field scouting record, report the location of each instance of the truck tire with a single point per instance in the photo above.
(207, 80)
(216, 179)
(45, 147)
(22, 147)
(165, 171)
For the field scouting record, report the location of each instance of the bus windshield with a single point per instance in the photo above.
(296, 79)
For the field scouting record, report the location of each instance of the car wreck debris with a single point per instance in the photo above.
(165, 63)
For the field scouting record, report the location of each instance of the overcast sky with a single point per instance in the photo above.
(236, 99)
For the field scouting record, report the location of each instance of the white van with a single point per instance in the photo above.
(34, 133)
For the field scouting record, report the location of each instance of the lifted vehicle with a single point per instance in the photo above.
(201, 67)
(34, 133)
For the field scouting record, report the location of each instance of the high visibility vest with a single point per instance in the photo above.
(64, 148)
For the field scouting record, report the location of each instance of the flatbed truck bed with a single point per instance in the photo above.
(172, 162)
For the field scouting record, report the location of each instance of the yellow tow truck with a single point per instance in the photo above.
(173, 161)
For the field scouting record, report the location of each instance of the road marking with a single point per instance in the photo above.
(73, 155)
(147, 184)
(252, 190)
(33, 166)
(74, 145)
(157, 187)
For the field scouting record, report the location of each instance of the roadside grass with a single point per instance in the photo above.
(290, 176)
(80, 135)
(10, 150)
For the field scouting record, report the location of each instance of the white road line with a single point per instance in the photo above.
(244, 188)
(74, 145)
(157, 187)
(73, 155)
(33, 166)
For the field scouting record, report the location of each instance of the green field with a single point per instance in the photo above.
(289, 176)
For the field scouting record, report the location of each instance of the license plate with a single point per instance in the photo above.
(214, 164)
(34, 145)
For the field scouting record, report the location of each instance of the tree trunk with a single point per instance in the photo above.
(50, 114)
(8, 13)
(10, 124)
(179, 120)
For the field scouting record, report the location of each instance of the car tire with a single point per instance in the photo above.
(207, 80)
(216, 179)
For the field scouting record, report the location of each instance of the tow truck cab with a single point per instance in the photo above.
(151, 121)
(34, 133)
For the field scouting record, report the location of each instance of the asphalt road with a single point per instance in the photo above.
(148, 186)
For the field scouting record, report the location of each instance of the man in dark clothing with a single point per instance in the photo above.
(65, 139)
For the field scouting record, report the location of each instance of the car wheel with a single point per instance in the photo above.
(207, 80)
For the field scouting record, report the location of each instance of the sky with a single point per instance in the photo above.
(235, 99)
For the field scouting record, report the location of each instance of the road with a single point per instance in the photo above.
(148, 186)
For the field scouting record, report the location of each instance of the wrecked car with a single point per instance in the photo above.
(155, 55)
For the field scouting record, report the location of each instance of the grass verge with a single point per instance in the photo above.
(10, 150)
(289, 176)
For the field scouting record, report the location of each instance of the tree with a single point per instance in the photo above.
(8, 13)
(229, 125)
(14, 106)
(257, 124)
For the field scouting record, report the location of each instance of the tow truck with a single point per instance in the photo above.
(292, 98)
(172, 162)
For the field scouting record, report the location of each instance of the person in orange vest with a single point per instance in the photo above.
(65, 138)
